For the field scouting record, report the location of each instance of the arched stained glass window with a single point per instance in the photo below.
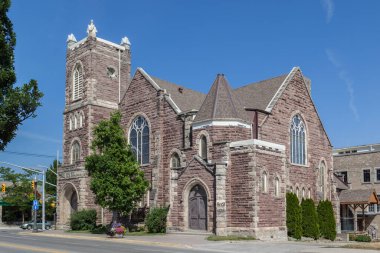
(75, 152)
(298, 141)
(139, 139)
(277, 187)
(203, 147)
(77, 82)
(322, 178)
(264, 184)
(175, 161)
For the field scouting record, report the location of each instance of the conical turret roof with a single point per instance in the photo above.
(221, 103)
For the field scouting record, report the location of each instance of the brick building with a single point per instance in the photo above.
(359, 168)
(223, 161)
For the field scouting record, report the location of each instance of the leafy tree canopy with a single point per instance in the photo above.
(16, 103)
(20, 193)
(116, 178)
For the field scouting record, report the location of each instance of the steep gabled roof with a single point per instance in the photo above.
(186, 99)
(221, 103)
(259, 94)
(362, 196)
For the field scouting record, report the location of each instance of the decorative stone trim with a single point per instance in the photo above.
(208, 123)
(259, 143)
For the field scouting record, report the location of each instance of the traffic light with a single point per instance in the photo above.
(34, 185)
(3, 187)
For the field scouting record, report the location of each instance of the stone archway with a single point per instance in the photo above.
(69, 204)
(197, 216)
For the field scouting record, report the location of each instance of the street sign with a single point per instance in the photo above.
(35, 202)
(35, 207)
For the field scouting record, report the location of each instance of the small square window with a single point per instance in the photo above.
(371, 208)
(366, 176)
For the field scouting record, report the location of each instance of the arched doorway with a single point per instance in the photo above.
(68, 204)
(198, 208)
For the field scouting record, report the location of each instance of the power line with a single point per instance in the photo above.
(30, 154)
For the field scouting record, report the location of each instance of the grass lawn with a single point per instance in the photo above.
(364, 245)
(230, 238)
(78, 231)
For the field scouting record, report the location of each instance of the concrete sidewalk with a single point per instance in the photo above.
(199, 243)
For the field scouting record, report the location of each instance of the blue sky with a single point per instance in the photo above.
(336, 44)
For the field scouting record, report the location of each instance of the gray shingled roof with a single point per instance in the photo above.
(221, 103)
(357, 196)
(258, 95)
(186, 99)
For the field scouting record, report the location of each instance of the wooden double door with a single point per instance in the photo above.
(198, 208)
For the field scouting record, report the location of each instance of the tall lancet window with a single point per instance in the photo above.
(77, 82)
(298, 141)
(139, 139)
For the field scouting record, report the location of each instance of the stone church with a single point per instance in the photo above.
(223, 161)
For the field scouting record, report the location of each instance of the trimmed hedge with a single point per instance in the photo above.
(156, 220)
(293, 216)
(326, 220)
(83, 220)
(310, 226)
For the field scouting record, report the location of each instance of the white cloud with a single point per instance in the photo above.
(38, 137)
(344, 76)
(328, 5)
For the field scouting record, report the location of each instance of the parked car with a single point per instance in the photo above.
(29, 225)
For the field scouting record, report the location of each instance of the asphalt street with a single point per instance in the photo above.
(15, 240)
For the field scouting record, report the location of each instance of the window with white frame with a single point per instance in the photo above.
(174, 161)
(203, 147)
(277, 187)
(139, 139)
(75, 152)
(298, 141)
(264, 184)
(372, 208)
(77, 82)
(378, 174)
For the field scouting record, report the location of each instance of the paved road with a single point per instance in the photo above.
(12, 241)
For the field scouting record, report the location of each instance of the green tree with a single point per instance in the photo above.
(326, 220)
(116, 178)
(16, 103)
(310, 226)
(20, 193)
(293, 216)
(51, 191)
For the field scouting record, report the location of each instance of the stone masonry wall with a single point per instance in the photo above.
(276, 128)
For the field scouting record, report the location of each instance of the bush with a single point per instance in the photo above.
(310, 226)
(83, 220)
(293, 216)
(100, 229)
(363, 238)
(326, 220)
(156, 220)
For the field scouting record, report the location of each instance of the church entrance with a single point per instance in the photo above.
(68, 204)
(198, 208)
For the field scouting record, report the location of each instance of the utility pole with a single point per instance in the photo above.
(34, 209)
(43, 199)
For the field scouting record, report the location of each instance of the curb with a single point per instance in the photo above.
(108, 239)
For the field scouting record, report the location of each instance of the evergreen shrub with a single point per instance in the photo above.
(83, 220)
(326, 219)
(156, 220)
(293, 216)
(310, 227)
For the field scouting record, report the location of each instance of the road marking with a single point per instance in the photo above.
(29, 248)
